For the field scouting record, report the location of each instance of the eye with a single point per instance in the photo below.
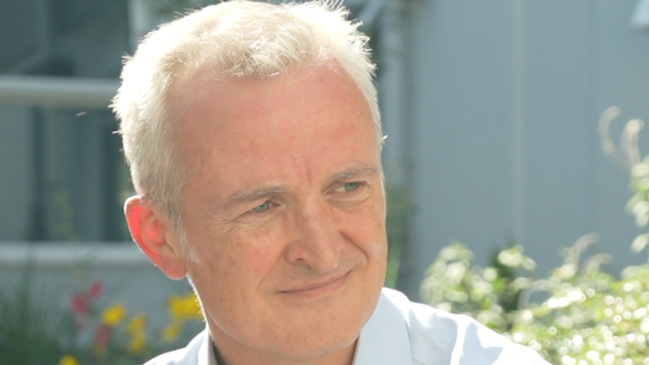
(351, 186)
(348, 187)
(262, 208)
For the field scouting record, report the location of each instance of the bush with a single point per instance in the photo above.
(586, 316)
(29, 333)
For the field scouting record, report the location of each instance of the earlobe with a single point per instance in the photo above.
(151, 231)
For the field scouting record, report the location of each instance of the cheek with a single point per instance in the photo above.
(377, 242)
(255, 254)
(261, 260)
(366, 228)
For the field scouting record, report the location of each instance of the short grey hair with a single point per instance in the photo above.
(236, 38)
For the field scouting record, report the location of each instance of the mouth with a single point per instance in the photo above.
(318, 289)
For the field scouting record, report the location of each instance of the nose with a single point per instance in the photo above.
(317, 244)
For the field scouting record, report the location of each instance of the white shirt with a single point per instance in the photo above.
(403, 333)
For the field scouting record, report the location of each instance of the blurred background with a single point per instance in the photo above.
(491, 111)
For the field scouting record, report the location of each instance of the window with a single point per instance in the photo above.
(62, 174)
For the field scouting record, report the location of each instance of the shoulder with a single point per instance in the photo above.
(188, 355)
(438, 337)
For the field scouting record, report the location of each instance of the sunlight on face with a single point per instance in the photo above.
(285, 209)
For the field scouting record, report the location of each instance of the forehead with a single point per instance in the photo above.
(192, 87)
(217, 114)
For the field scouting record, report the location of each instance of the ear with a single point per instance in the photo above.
(155, 236)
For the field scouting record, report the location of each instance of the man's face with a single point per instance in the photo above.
(285, 210)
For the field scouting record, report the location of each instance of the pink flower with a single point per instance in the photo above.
(95, 290)
(79, 304)
(102, 335)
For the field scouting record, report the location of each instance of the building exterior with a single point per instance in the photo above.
(502, 101)
(491, 111)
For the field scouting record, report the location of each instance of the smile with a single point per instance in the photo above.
(319, 289)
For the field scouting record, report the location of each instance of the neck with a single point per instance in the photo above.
(340, 357)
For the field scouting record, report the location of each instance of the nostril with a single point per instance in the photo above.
(319, 254)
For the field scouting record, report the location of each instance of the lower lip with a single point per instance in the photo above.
(320, 290)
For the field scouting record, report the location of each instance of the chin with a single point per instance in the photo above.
(318, 349)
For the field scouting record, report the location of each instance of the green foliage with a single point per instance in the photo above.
(487, 294)
(399, 207)
(593, 318)
(29, 330)
(638, 205)
(35, 331)
(583, 315)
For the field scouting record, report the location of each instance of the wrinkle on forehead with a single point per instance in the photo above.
(244, 124)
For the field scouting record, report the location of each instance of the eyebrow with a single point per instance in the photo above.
(249, 196)
(246, 196)
(356, 172)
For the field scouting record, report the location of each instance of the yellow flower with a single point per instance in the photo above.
(170, 333)
(136, 328)
(136, 324)
(68, 360)
(113, 315)
(184, 307)
(181, 309)
(137, 343)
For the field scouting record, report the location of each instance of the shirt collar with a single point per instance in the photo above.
(206, 352)
(384, 339)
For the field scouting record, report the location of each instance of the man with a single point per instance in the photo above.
(254, 139)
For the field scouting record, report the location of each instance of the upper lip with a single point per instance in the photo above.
(315, 285)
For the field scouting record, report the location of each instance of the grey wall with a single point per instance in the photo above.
(502, 108)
